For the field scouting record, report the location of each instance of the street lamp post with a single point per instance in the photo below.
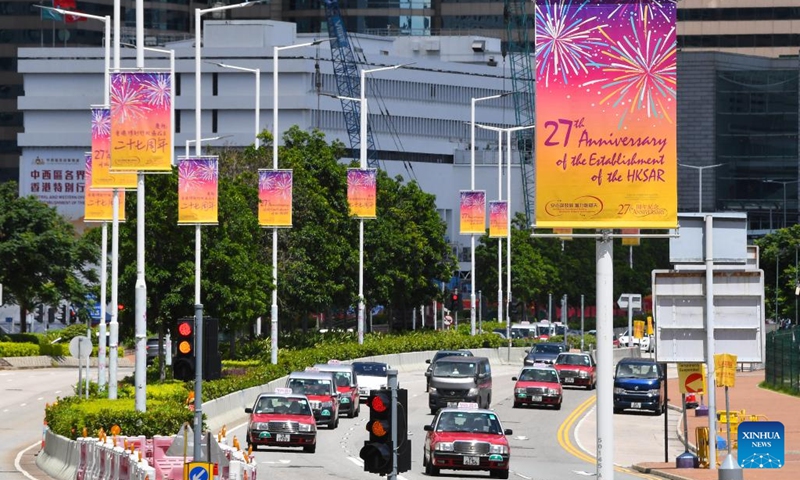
(508, 215)
(472, 187)
(101, 342)
(257, 72)
(198, 307)
(700, 195)
(363, 164)
(784, 183)
(275, 132)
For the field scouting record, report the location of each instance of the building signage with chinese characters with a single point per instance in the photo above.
(56, 176)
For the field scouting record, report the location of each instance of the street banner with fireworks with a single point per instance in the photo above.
(101, 154)
(605, 114)
(197, 191)
(361, 192)
(98, 204)
(141, 126)
(275, 198)
(498, 219)
(473, 212)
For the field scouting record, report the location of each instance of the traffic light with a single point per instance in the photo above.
(377, 451)
(39, 314)
(183, 364)
(51, 315)
(62, 316)
(73, 315)
(455, 300)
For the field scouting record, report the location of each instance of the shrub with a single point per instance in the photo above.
(13, 349)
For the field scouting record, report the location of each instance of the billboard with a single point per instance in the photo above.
(606, 153)
(56, 176)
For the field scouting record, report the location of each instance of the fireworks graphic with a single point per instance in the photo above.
(156, 90)
(361, 178)
(101, 122)
(195, 173)
(565, 41)
(497, 208)
(127, 101)
(645, 9)
(640, 72)
(279, 182)
(475, 201)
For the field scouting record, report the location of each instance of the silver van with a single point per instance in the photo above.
(320, 388)
(346, 380)
(460, 379)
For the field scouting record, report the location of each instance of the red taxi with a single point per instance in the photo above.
(344, 376)
(320, 389)
(576, 369)
(466, 438)
(537, 385)
(281, 419)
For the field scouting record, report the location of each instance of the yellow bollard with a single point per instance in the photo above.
(701, 439)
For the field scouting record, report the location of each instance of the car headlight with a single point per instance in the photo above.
(472, 391)
(444, 447)
(583, 374)
(306, 427)
(520, 391)
(655, 392)
(433, 390)
(552, 391)
(327, 404)
(259, 426)
(498, 449)
(618, 391)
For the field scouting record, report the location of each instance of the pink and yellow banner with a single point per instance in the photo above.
(473, 212)
(99, 204)
(275, 198)
(361, 192)
(605, 114)
(141, 122)
(101, 154)
(498, 219)
(197, 191)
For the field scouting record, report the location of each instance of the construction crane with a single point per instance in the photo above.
(522, 83)
(347, 81)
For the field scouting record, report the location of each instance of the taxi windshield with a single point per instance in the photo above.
(343, 379)
(571, 359)
(539, 375)
(443, 368)
(478, 422)
(282, 406)
(547, 348)
(309, 387)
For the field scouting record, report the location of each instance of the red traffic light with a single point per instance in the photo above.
(185, 329)
(378, 404)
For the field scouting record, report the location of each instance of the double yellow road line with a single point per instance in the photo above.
(564, 440)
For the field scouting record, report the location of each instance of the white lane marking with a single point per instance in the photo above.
(523, 476)
(40, 398)
(22, 404)
(279, 462)
(18, 466)
(58, 391)
(5, 410)
(520, 437)
(577, 429)
(357, 461)
(585, 474)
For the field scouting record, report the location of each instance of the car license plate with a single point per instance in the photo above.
(472, 461)
(636, 404)
(283, 437)
(536, 398)
(569, 380)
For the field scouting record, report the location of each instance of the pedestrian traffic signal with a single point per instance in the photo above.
(183, 365)
(61, 316)
(377, 452)
(39, 313)
(51, 315)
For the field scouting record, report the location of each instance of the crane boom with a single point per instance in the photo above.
(522, 81)
(345, 71)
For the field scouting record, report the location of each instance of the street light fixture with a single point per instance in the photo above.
(198, 307)
(257, 72)
(700, 171)
(784, 183)
(275, 133)
(208, 139)
(472, 187)
(508, 216)
(363, 164)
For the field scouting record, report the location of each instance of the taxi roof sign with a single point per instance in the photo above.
(467, 405)
(334, 362)
(312, 369)
(283, 391)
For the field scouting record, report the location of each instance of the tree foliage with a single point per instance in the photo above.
(778, 258)
(43, 260)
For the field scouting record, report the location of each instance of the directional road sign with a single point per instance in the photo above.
(634, 298)
(197, 471)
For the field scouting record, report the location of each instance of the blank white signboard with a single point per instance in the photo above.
(679, 304)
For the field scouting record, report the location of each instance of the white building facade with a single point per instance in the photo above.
(419, 114)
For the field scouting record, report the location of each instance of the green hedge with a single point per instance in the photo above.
(13, 349)
(166, 409)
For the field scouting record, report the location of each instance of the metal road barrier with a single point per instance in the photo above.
(701, 440)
